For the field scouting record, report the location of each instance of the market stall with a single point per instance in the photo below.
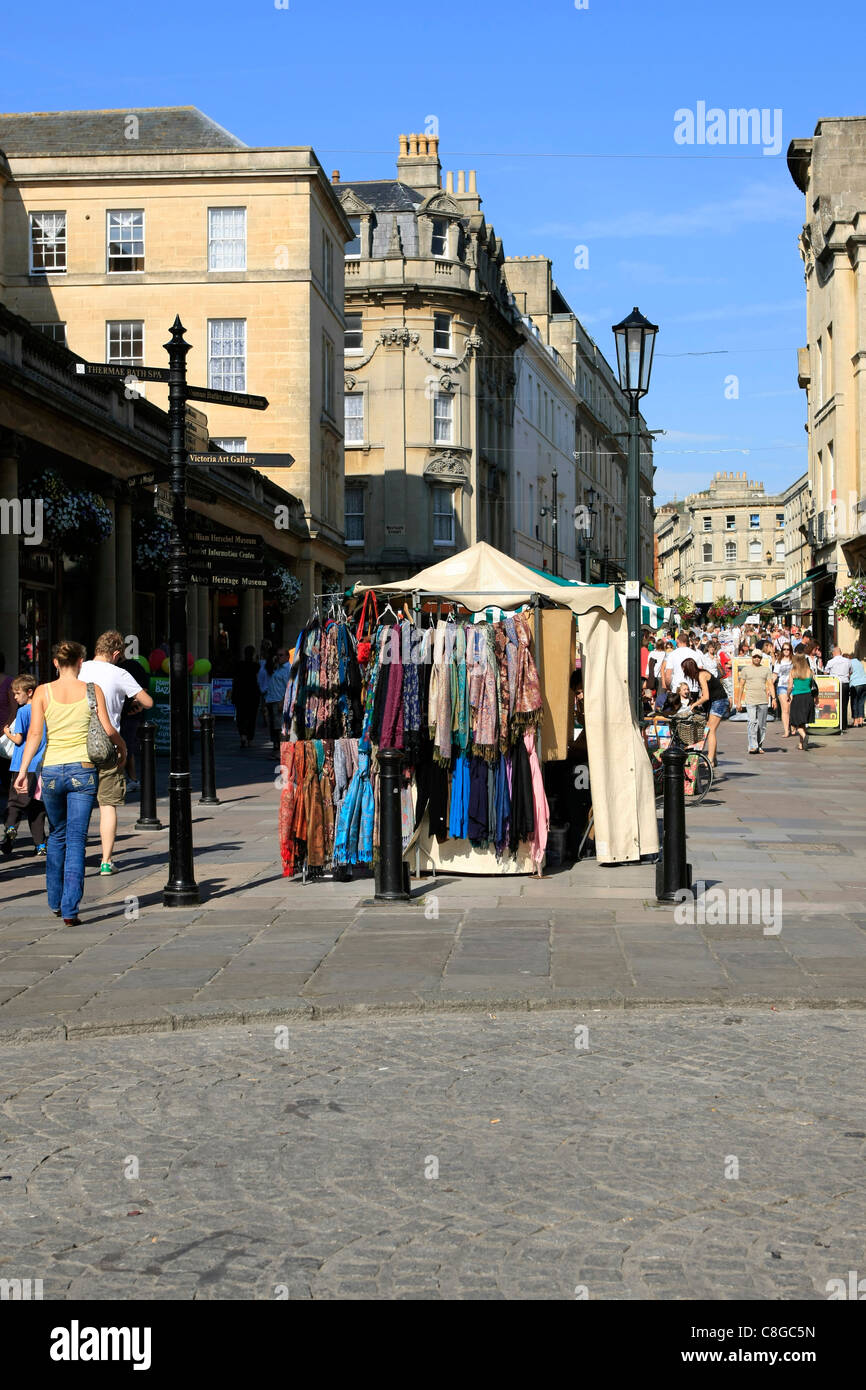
(519, 681)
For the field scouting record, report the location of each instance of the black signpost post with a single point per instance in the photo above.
(181, 890)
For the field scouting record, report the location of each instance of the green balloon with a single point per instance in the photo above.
(143, 661)
(201, 667)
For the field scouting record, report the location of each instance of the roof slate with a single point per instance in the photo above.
(384, 195)
(160, 128)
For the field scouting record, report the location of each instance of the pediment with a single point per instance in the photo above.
(442, 204)
(448, 465)
(353, 206)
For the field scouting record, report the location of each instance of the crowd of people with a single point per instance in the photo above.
(691, 670)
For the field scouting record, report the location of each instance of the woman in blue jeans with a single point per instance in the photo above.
(69, 778)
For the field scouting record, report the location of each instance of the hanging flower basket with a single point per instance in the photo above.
(75, 520)
(723, 611)
(851, 603)
(685, 607)
(285, 586)
(151, 534)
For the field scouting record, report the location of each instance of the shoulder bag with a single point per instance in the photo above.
(100, 749)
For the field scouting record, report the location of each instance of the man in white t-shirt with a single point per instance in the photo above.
(840, 666)
(117, 686)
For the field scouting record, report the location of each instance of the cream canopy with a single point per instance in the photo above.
(481, 576)
(623, 797)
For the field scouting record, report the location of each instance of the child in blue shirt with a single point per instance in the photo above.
(23, 803)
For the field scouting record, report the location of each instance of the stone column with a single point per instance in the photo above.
(104, 585)
(10, 453)
(125, 564)
(247, 627)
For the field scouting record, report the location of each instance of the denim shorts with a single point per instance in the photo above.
(720, 707)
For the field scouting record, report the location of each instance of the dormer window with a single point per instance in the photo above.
(439, 240)
(353, 247)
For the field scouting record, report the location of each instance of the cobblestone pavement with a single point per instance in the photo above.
(789, 826)
(604, 1170)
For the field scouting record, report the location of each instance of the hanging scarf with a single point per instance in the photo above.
(372, 687)
(484, 726)
(315, 833)
(477, 824)
(539, 800)
(526, 710)
(502, 803)
(391, 732)
(503, 698)
(459, 815)
(412, 706)
(440, 695)
(522, 824)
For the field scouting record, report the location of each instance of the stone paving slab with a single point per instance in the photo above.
(588, 932)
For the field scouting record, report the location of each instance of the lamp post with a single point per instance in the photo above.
(635, 343)
(588, 528)
(554, 523)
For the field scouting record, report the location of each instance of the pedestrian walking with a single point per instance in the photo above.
(756, 690)
(8, 711)
(245, 696)
(713, 701)
(117, 686)
(782, 677)
(69, 780)
(804, 689)
(25, 803)
(840, 666)
(130, 718)
(266, 670)
(858, 692)
(276, 694)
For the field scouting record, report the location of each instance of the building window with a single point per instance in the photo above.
(235, 445)
(708, 552)
(55, 331)
(125, 241)
(226, 238)
(439, 240)
(353, 427)
(443, 418)
(327, 375)
(353, 247)
(47, 243)
(780, 520)
(354, 513)
(730, 588)
(780, 552)
(443, 516)
(730, 550)
(124, 342)
(354, 337)
(754, 521)
(708, 591)
(708, 523)
(730, 522)
(756, 589)
(327, 266)
(227, 354)
(754, 552)
(441, 332)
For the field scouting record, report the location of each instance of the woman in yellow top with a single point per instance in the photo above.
(69, 778)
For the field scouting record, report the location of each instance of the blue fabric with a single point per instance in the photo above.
(858, 672)
(458, 823)
(277, 685)
(720, 707)
(22, 726)
(69, 796)
(503, 805)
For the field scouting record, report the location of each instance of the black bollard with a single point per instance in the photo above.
(390, 879)
(147, 818)
(208, 766)
(673, 872)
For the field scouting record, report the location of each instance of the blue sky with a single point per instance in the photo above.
(568, 116)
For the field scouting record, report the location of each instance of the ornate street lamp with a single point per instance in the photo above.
(635, 343)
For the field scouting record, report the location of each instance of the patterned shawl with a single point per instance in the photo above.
(525, 685)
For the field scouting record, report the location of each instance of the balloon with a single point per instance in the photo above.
(144, 662)
(156, 658)
(189, 661)
(166, 666)
(201, 667)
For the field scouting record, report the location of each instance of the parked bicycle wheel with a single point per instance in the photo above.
(698, 777)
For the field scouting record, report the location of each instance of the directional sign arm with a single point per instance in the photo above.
(120, 371)
(236, 398)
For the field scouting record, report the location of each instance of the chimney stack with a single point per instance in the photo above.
(418, 162)
(335, 176)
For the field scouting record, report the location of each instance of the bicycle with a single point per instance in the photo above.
(697, 770)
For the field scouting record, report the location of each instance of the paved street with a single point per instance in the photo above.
(791, 825)
(267, 1171)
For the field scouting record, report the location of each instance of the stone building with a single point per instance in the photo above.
(89, 439)
(728, 541)
(113, 222)
(830, 170)
(431, 331)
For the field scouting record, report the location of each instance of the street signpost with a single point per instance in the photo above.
(240, 460)
(181, 890)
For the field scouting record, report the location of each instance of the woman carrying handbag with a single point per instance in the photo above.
(804, 688)
(80, 739)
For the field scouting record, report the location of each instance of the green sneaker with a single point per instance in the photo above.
(107, 868)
